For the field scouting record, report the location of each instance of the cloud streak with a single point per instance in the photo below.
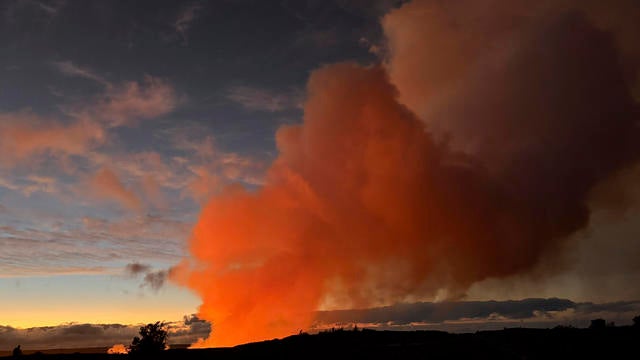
(69, 68)
(87, 245)
(25, 134)
(258, 99)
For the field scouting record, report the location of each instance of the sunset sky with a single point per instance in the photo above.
(166, 158)
(118, 119)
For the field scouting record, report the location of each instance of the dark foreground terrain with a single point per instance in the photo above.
(519, 343)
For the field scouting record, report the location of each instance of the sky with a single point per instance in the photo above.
(255, 162)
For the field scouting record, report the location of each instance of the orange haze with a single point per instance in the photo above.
(364, 206)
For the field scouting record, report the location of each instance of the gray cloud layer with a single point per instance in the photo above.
(186, 331)
(456, 316)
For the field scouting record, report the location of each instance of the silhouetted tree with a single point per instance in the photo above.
(153, 338)
(17, 351)
(636, 321)
(597, 324)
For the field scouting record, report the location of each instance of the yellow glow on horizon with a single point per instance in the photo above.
(52, 309)
(38, 318)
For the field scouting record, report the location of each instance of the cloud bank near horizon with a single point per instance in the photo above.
(454, 316)
(185, 331)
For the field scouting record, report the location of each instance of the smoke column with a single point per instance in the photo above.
(469, 157)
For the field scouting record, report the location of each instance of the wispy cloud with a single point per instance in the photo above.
(105, 184)
(206, 168)
(261, 99)
(70, 69)
(30, 184)
(121, 104)
(13, 10)
(24, 134)
(127, 103)
(35, 245)
(185, 19)
(50, 7)
(45, 271)
(75, 162)
(195, 167)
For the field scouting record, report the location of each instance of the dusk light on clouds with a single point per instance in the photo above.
(247, 169)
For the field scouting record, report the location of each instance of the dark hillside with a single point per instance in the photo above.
(517, 343)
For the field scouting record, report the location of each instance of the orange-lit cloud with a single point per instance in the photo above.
(79, 142)
(106, 185)
(123, 104)
(209, 168)
(510, 124)
(25, 134)
(204, 184)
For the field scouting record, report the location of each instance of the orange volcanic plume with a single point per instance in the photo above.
(363, 207)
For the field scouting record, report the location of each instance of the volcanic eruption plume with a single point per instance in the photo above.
(468, 154)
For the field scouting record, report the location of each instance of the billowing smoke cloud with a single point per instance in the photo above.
(510, 122)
